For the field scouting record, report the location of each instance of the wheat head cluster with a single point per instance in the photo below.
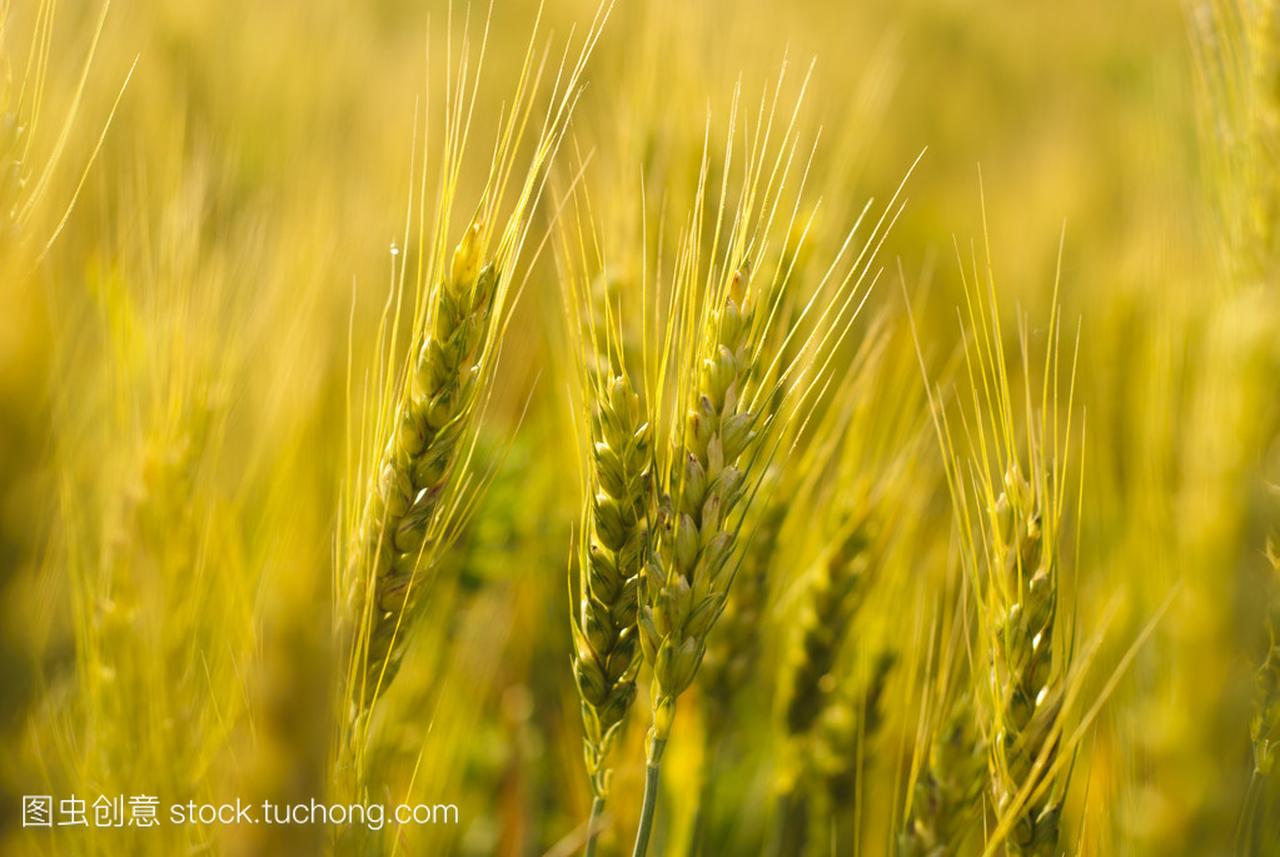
(639, 427)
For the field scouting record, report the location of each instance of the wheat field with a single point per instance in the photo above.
(649, 427)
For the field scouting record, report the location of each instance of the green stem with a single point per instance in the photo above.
(1244, 826)
(651, 772)
(593, 826)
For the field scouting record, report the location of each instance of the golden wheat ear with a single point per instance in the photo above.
(1007, 472)
(412, 490)
(733, 390)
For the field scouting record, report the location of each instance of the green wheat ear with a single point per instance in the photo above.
(606, 647)
(945, 795)
(430, 425)
(1008, 492)
(833, 599)
(686, 580)
(1022, 613)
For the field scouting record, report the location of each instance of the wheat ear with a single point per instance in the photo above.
(606, 648)
(430, 424)
(1022, 609)
(831, 601)
(685, 582)
(848, 724)
(947, 791)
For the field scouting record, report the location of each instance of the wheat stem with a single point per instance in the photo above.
(593, 825)
(652, 774)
